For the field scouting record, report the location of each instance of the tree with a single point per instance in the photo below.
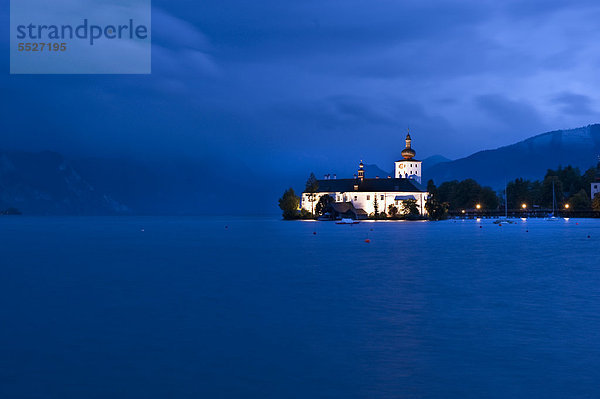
(376, 207)
(431, 188)
(436, 209)
(467, 193)
(323, 204)
(304, 214)
(568, 183)
(546, 192)
(488, 198)
(590, 176)
(289, 204)
(312, 186)
(580, 201)
(596, 202)
(410, 207)
(570, 179)
(459, 195)
(446, 192)
(393, 210)
(519, 192)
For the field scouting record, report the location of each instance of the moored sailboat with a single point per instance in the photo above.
(552, 217)
(505, 218)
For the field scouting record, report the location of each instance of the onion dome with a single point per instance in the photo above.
(408, 152)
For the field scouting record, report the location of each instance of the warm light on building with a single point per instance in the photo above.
(363, 195)
(524, 206)
(478, 206)
(567, 206)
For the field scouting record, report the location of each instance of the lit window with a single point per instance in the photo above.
(382, 197)
(355, 187)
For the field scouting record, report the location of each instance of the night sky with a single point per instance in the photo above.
(272, 89)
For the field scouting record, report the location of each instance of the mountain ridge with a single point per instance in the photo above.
(529, 158)
(47, 183)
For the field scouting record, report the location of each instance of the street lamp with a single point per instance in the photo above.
(478, 206)
(567, 206)
(524, 206)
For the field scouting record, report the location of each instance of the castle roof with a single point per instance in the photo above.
(345, 207)
(370, 185)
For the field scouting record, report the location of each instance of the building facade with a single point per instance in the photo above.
(365, 194)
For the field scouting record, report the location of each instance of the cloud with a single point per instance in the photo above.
(173, 32)
(574, 104)
(512, 114)
(180, 53)
(278, 84)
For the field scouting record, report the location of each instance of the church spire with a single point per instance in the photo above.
(408, 152)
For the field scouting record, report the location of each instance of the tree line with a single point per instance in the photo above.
(571, 190)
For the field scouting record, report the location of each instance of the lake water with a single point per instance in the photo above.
(187, 308)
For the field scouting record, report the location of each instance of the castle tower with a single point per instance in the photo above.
(408, 168)
(361, 171)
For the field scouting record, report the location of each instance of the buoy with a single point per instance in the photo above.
(226, 227)
(314, 233)
(589, 236)
(577, 224)
(481, 227)
(367, 241)
(371, 229)
(526, 231)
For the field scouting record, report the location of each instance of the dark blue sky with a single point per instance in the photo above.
(284, 88)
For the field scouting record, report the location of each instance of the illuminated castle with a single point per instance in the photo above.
(360, 196)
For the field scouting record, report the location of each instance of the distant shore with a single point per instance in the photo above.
(10, 212)
(520, 213)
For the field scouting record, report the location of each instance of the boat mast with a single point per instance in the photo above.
(553, 199)
(505, 200)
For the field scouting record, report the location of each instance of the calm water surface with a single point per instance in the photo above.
(186, 308)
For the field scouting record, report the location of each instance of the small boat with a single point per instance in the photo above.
(552, 219)
(347, 221)
(504, 221)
